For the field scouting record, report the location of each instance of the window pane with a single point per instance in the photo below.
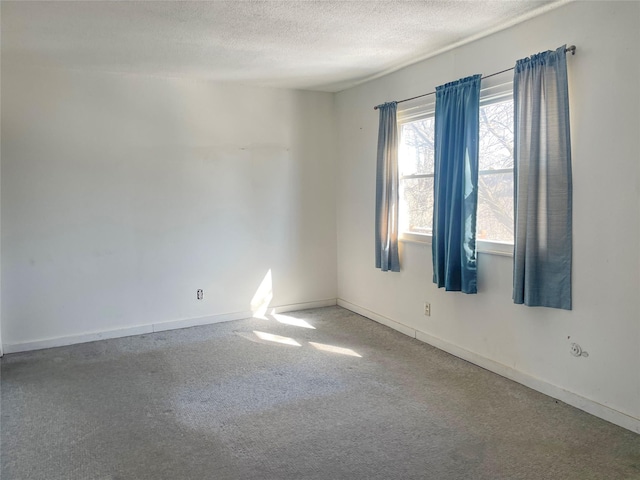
(495, 191)
(496, 136)
(495, 207)
(416, 147)
(416, 204)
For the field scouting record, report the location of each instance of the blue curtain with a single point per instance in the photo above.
(387, 191)
(542, 180)
(456, 185)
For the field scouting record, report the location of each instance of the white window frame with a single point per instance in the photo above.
(490, 92)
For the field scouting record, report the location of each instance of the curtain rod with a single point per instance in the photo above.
(571, 49)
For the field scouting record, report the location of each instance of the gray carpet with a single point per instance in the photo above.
(219, 402)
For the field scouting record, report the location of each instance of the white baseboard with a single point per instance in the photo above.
(155, 327)
(330, 302)
(554, 391)
(73, 339)
(194, 322)
(378, 318)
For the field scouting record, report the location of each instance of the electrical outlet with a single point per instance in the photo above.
(427, 309)
(199, 294)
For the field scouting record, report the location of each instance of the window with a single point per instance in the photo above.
(416, 164)
(416, 127)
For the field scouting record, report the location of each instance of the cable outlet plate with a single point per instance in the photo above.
(199, 294)
(427, 309)
(577, 351)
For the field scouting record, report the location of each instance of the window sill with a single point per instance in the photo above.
(503, 249)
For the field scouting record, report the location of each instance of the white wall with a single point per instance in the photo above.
(122, 195)
(528, 344)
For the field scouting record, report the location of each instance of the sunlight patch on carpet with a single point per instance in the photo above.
(334, 349)
(269, 337)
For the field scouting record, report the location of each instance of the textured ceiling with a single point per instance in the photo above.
(317, 45)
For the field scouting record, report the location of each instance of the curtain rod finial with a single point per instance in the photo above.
(572, 49)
